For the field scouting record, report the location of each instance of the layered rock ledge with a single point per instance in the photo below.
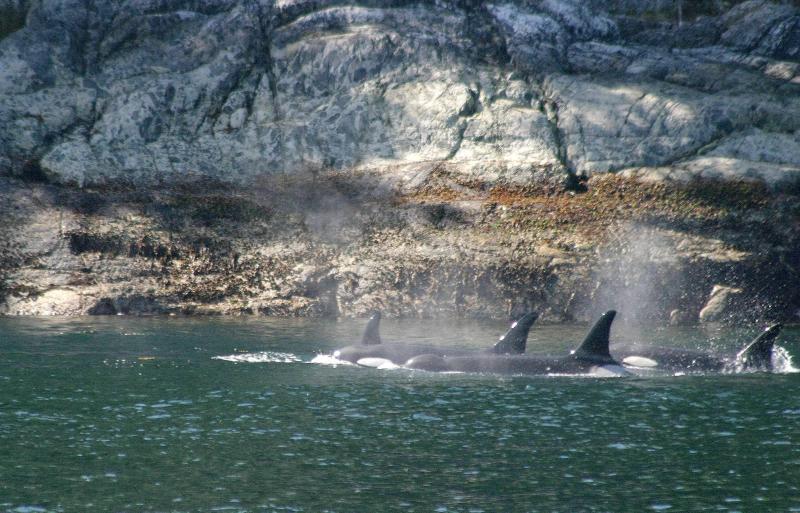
(426, 158)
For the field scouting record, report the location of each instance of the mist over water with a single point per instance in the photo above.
(182, 415)
(642, 277)
(627, 276)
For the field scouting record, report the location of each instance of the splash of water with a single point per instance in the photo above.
(260, 357)
(608, 371)
(782, 361)
(329, 359)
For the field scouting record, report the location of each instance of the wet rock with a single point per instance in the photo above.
(679, 318)
(138, 304)
(103, 307)
(721, 304)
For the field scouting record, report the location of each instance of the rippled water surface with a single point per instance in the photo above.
(175, 415)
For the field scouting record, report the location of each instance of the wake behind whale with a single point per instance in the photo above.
(260, 357)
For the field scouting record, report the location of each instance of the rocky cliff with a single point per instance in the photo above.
(425, 158)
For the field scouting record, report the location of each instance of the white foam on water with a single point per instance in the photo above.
(610, 371)
(260, 357)
(425, 371)
(28, 509)
(598, 371)
(329, 359)
(621, 446)
(661, 507)
(782, 361)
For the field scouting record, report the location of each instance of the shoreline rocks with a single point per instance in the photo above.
(644, 249)
(428, 159)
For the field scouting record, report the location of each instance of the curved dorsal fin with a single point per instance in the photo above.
(516, 338)
(372, 334)
(595, 346)
(758, 353)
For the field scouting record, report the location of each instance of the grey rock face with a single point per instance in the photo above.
(765, 28)
(97, 92)
(536, 39)
(445, 118)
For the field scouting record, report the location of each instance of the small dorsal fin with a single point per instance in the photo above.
(516, 338)
(595, 346)
(372, 333)
(758, 353)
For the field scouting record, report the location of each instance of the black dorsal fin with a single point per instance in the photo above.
(595, 346)
(516, 338)
(758, 353)
(372, 333)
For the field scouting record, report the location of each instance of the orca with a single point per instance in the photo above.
(373, 352)
(757, 355)
(591, 357)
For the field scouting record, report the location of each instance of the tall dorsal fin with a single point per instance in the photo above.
(758, 353)
(372, 333)
(516, 338)
(595, 346)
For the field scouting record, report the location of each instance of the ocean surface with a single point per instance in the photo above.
(241, 415)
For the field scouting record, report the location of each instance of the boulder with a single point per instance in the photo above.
(721, 304)
(679, 317)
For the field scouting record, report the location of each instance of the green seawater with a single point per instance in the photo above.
(141, 415)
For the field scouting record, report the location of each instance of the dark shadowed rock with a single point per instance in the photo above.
(103, 307)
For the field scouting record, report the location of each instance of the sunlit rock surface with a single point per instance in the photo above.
(329, 157)
(519, 92)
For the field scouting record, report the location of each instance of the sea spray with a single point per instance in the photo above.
(642, 276)
(260, 357)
